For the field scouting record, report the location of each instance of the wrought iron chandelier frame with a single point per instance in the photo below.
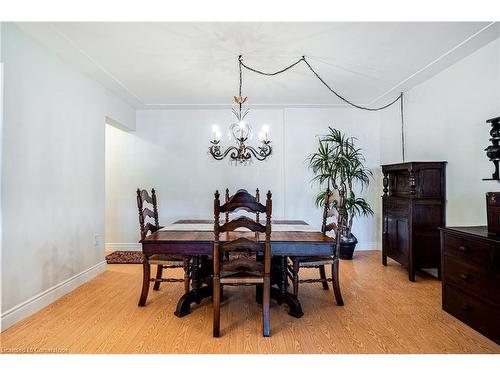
(242, 152)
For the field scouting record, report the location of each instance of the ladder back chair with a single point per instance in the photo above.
(243, 270)
(148, 211)
(321, 261)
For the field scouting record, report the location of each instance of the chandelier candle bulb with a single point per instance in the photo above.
(265, 131)
(216, 133)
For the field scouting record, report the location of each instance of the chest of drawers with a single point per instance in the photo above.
(471, 278)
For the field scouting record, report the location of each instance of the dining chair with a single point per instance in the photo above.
(243, 270)
(320, 261)
(148, 211)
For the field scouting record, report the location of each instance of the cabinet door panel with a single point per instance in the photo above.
(397, 238)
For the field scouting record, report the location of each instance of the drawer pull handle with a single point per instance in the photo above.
(466, 307)
(465, 277)
(463, 249)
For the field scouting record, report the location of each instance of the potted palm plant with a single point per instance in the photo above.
(338, 168)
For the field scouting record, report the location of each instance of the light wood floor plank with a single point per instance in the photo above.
(383, 313)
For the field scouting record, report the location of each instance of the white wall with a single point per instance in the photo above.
(169, 152)
(445, 120)
(53, 174)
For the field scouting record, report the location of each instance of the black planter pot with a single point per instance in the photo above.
(347, 245)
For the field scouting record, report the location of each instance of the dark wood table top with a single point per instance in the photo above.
(209, 221)
(207, 236)
(194, 236)
(283, 243)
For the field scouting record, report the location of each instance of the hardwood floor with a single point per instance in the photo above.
(102, 316)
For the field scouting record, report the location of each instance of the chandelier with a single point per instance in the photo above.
(241, 132)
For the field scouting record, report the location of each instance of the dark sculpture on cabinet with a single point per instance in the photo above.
(493, 150)
(413, 208)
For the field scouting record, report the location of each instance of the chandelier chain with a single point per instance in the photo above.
(345, 100)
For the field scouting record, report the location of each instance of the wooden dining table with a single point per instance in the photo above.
(191, 238)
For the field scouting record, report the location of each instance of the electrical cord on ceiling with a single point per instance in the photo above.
(303, 59)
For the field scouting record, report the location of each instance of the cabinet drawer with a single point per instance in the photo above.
(473, 280)
(473, 312)
(469, 250)
(396, 206)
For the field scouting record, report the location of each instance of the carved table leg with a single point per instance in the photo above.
(296, 276)
(187, 273)
(184, 304)
(198, 292)
(195, 275)
(294, 306)
(283, 276)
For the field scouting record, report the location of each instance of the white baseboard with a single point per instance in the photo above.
(32, 305)
(133, 246)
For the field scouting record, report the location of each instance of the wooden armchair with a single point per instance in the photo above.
(320, 261)
(242, 270)
(146, 215)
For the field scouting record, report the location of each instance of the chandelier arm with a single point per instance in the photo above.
(260, 156)
(218, 155)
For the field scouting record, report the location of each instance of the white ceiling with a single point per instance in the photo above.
(177, 65)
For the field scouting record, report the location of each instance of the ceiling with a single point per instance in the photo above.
(182, 65)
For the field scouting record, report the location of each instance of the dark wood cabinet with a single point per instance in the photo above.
(471, 278)
(413, 207)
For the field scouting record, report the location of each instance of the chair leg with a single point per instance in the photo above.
(216, 303)
(265, 306)
(145, 281)
(159, 274)
(336, 283)
(186, 274)
(322, 274)
(296, 277)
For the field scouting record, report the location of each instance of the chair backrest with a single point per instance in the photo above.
(242, 200)
(145, 213)
(328, 211)
(227, 198)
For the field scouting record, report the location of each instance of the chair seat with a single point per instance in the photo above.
(315, 261)
(171, 260)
